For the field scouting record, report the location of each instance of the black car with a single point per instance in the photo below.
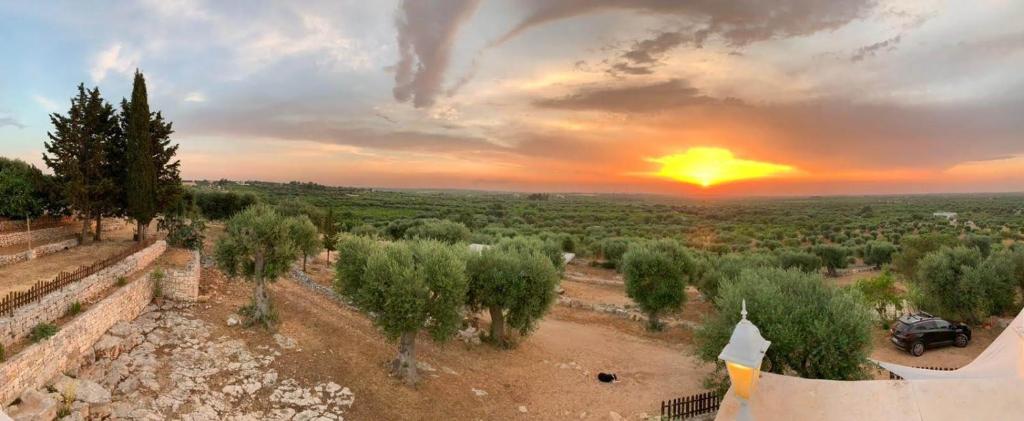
(916, 332)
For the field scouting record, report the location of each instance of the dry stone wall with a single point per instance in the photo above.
(34, 366)
(38, 236)
(183, 284)
(37, 251)
(53, 306)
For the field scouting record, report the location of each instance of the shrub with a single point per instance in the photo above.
(880, 293)
(817, 331)
(711, 270)
(121, 281)
(74, 308)
(366, 230)
(42, 331)
(157, 277)
(188, 235)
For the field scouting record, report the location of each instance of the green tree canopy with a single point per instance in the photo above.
(806, 262)
(306, 237)
(438, 229)
(914, 247)
(958, 283)
(832, 257)
(258, 244)
(654, 280)
(407, 287)
(878, 253)
(817, 331)
(515, 284)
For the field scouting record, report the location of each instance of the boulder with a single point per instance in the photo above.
(234, 320)
(35, 406)
(82, 390)
(108, 347)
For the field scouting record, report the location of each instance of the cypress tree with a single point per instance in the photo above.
(141, 176)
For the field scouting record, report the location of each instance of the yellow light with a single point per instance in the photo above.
(744, 379)
(709, 166)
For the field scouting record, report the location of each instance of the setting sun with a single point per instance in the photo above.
(706, 167)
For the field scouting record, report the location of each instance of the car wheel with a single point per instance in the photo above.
(961, 340)
(917, 349)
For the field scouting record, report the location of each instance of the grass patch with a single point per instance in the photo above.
(42, 331)
(74, 308)
(158, 282)
(121, 281)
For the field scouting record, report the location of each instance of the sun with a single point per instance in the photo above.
(706, 167)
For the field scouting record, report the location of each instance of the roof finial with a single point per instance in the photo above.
(744, 311)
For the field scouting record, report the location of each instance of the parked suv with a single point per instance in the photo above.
(916, 332)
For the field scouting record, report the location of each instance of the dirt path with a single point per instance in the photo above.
(23, 275)
(552, 373)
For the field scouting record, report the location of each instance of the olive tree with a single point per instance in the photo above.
(406, 287)
(19, 196)
(817, 331)
(960, 284)
(439, 229)
(258, 245)
(878, 253)
(832, 257)
(654, 281)
(881, 293)
(515, 284)
(306, 237)
(806, 262)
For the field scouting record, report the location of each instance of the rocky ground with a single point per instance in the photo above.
(167, 365)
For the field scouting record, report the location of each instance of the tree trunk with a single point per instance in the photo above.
(28, 227)
(653, 324)
(497, 325)
(328, 257)
(99, 227)
(85, 227)
(404, 366)
(141, 231)
(260, 296)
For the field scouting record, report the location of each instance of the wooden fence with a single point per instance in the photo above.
(690, 406)
(894, 376)
(16, 299)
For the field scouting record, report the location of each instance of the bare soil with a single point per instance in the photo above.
(23, 275)
(552, 372)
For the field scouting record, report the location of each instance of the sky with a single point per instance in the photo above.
(701, 97)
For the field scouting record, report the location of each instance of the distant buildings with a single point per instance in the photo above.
(951, 216)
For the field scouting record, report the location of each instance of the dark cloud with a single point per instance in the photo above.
(654, 97)
(426, 31)
(870, 50)
(10, 121)
(738, 22)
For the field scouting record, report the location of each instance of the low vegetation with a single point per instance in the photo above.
(42, 331)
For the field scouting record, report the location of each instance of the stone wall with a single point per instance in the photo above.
(38, 251)
(38, 236)
(183, 284)
(89, 289)
(35, 365)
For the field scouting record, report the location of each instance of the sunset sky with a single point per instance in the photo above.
(665, 96)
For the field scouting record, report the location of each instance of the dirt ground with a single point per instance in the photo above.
(23, 275)
(552, 373)
(945, 357)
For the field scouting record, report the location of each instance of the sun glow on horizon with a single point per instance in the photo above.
(706, 167)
